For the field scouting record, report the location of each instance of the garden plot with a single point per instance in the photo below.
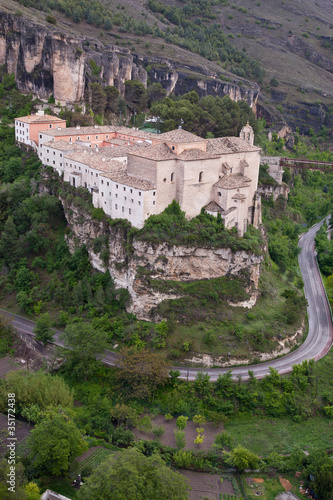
(168, 438)
(207, 485)
(22, 430)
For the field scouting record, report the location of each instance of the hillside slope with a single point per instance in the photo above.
(292, 41)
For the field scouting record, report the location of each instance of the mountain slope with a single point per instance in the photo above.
(293, 41)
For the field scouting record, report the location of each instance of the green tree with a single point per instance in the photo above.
(129, 474)
(43, 330)
(41, 389)
(55, 443)
(84, 344)
(98, 98)
(141, 372)
(135, 95)
(242, 459)
(124, 416)
(112, 99)
(10, 247)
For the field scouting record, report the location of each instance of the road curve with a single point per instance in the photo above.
(316, 345)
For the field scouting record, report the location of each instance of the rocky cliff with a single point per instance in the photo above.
(46, 61)
(162, 261)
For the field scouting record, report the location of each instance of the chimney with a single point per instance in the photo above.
(78, 127)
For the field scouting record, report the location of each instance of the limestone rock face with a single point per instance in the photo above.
(162, 261)
(47, 62)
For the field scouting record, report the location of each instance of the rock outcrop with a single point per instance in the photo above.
(46, 61)
(162, 261)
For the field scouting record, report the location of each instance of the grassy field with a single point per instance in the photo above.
(262, 435)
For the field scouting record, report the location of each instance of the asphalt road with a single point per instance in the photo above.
(316, 345)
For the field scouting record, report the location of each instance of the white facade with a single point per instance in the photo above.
(132, 179)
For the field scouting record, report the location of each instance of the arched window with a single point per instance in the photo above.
(172, 176)
(248, 136)
(200, 176)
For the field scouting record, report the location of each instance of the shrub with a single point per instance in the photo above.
(122, 438)
(181, 422)
(158, 431)
(180, 439)
(51, 19)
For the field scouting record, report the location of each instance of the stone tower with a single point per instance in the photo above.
(247, 134)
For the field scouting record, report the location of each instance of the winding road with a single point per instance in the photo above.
(316, 345)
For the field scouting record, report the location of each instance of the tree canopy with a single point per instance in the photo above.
(129, 474)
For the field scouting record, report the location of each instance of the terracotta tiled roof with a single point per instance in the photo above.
(179, 136)
(233, 181)
(136, 133)
(39, 119)
(213, 207)
(62, 145)
(158, 152)
(195, 154)
(77, 131)
(129, 180)
(225, 145)
(94, 160)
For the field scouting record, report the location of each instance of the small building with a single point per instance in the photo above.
(28, 128)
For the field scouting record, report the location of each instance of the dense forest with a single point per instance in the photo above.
(85, 404)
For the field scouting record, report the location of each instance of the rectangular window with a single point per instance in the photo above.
(92, 173)
(40, 136)
(131, 190)
(139, 193)
(96, 136)
(116, 195)
(116, 206)
(50, 125)
(88, 138)
(154, 202)
(61, 164)
(124, 189)
(60, 155)
(109, 193)
(107, 183)
(132, 200)
(53, 162)
(129, 211)
(102, 182)
(154, 193)
(78, 138)
(47, 160)
(96, 175)
(70, 139)
(125, 198)
(107, 136)
(47, 151)
(122, 209)
(139, 202)
(102, 194)
(117, 186)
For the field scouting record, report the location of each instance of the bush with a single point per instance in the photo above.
(158, 431)
(122, 438)
(180, 439)
(51, 19)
